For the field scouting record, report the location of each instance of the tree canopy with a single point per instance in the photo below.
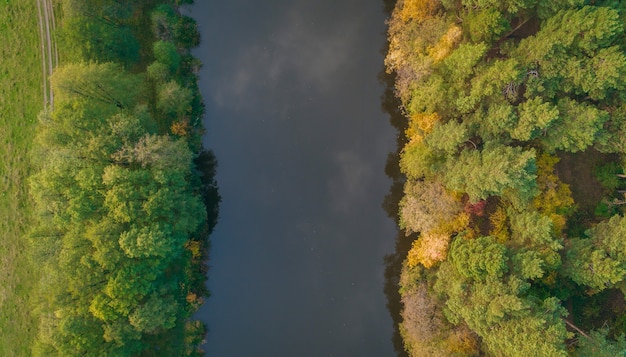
(125, 199)
(495, 94)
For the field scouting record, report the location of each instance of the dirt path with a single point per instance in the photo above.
(49, 53)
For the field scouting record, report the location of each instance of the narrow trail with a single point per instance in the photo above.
(43, 56)
(49, 53)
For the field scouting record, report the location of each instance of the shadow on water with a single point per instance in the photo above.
(393, 262)
(206, 166)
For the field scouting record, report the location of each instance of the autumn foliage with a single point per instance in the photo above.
(495, 93)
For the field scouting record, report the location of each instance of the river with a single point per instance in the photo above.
(294, 118)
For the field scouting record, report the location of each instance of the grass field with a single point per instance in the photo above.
(21, 98)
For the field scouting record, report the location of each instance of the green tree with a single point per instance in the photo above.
(166, 52)
(104, 84)
(577, 127)
(159, 72)
(448, 138)
(158, 312)
(492, 171)
(479, 289)
(535, 117)
(487, 25)
(173, 100)
(564, 50)
(598, 345)
(84, 39)
(417, 159)
(496, 122)
(186, 32)
(600, 260)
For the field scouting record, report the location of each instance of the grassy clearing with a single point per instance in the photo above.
(21, 99)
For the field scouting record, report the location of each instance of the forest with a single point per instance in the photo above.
(124, 192)
(514, 185)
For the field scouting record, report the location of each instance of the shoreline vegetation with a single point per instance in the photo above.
(124, 193)
(514, 185)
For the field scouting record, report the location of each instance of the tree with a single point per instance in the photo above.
(491, 89)
(167, 53)
(600, 260)
(121, 227)
(496, 122)
(186, 33)
(423, 324)
(130, 284)
(105, 84)
(159, 72)
(105, 41)
(417, 159)
(163, 19)
(599, 76)
(158, 312)
(448, 137)
(446, 43)
(421, 124)
(409, 41)
(577, 127)
(555, 197)
(425, 206)
(592, 267)
(430, 248)
(497, 81)
(535, 117)
(598, 345)
(173, 100)
(487, 25)
(478, 258)
(492, 171)
(78, 335)
(564, 50)
(108, 11)
(195, 331)
(158, 151)
(126, 340)
(480, 290)
(428, 96)
(461, 64)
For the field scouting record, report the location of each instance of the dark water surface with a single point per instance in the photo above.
(294, 118)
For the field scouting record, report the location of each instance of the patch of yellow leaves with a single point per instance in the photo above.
(555, 197)
(421, 124)
(432, 246)
(181, 127)
(429, 249)
(499, 227)
(446, 43)
(418, 10)
(462, 342)
(194, 248)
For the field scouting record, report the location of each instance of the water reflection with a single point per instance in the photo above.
(292, 106)
(393, 262)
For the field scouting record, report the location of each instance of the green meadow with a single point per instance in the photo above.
(21, 99)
